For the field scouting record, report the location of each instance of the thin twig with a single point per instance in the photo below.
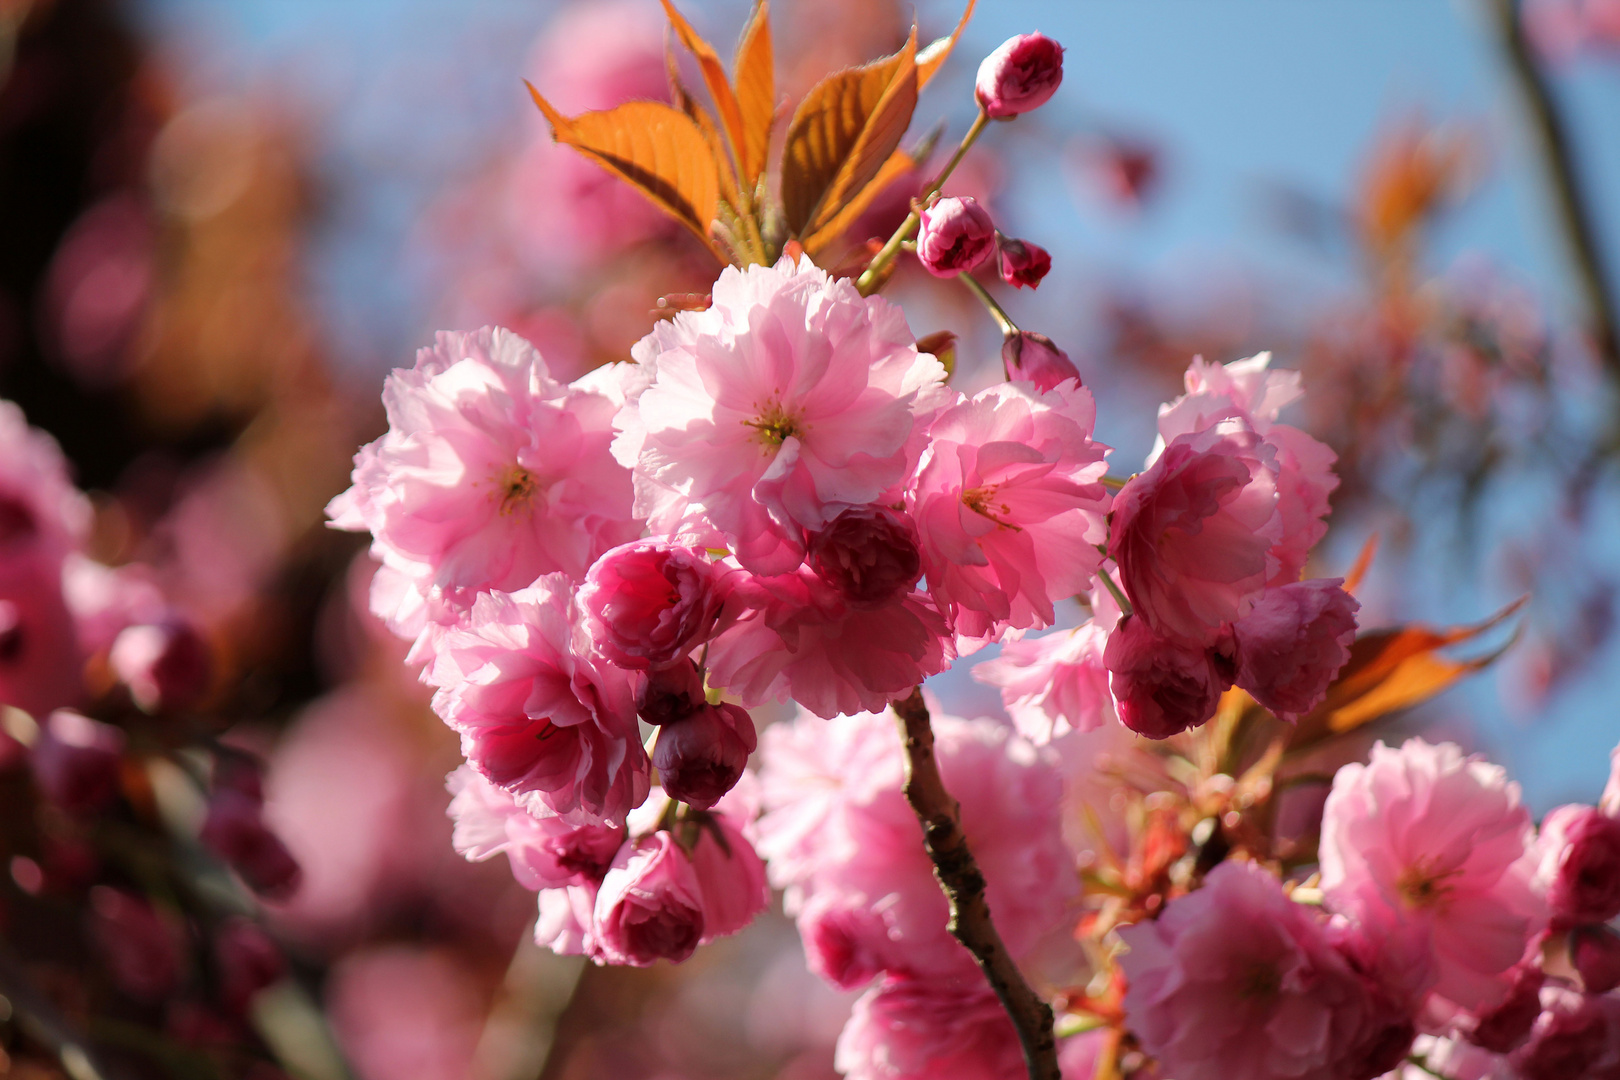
(1004, 321)
(959, 876)
(1574, 215)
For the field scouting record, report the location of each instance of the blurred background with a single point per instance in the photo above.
(223, 221)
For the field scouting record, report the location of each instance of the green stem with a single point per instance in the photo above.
(1003, 320)
(1119, 596)
(875, 274)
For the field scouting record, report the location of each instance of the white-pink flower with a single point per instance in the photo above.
(789, 399)
(490, 475)
(1235, 979)
(1010, 505)
(535, 713)
(1422, 839)
(1250, 391)
(545, 851)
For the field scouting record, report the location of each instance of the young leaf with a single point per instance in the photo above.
(1395, 669)
(898, 165)
(841, 135)
(756, 93)
(658, 149)
(938, 51)
(714, 77)
(683, 99)
(1352, 580)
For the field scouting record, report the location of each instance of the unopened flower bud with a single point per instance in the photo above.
(236, 832)
(167, 666)
(665, 695)
(941, 345)
(1033, 358)
(870, 554)
(1594, 951)
(76, 761)
(956, 235)
(647, 604)
(1022, 263)
(1161, 686)
(701, 757)
(248, 961)
(650, 905)
(1580, 864)
(1021, 75)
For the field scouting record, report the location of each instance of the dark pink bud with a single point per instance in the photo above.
(76, 761)
(41, 663)
(167, 666)
(870, 554)
(647, 604)
(701, 757)
(665, 695)
(248, 961)
(650, 906)
(235, 831)
(1506, 1027)
(18, 525)
(956, 235)
(1293, 643)
(141, 948)
(1567, 1039)
(1594, 951)
(1022, 263)
(1161, 686)
(1033, 358)
(1580, 862)
(1021, 75)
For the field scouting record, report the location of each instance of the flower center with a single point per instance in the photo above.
(516, 489)
(1261, 981)
(1421, 886)
(979, 501)
(775, 425)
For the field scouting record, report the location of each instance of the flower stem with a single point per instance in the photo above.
(963, 883)
(1003, 320)
(873, 277)
(1119, 596)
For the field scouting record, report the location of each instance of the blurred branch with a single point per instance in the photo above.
(40, 1021)
(522, 1023)
(959, 876)
(1557, 152)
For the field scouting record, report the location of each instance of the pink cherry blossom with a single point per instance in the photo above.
(235, 831)
(1021, 262)
(1507, 1026)
(701, 756)
(1161, 685)
(1056, 684)
(1580, 865)
(650, 906)
(1570, 1038)
(793, 635)
(922, 1029)
(76, 761)
(648, 604)
(789, 399)
(1424, 840)
(41, 512)
(1009, 502)
(106, 599)
(545, 851)
(1236, 979)
(41, 662)
(1594, 953)
(730, 874)
(869, 554)
(954, 236)
(166, 665)
(490, 475)
(1034, 358)
(1250, 391)
(533, 713)
(840, 837)
(1193, 534)
(1609, 803)
(1293, 642)
(1022, 74)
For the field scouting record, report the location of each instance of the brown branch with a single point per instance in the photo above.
(963, 883)
(1557, 152)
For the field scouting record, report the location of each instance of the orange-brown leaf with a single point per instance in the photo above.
(1352, 580)
(898, 165)
(756, 92)
(683, 99)
(714, 77)
(841, 135)
(934, 56)
(653, 146)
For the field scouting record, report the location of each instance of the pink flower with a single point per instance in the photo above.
(1580, 865)
(41, 512)
(76, 761)
(1594, 953)
(700, 757)
(1609, 803)
(235, 831)
(650, 906)
(648, 604)
(730, 873)
(1022, 74)
(956, 235)
(1009, 502)
(665, 695)
(41, 662)
(923, 1029)
(533, 713)
(840, 836)
(1236, 979)
(789, 399)
(1022, 263)
(1056, 684)
(1035, 359)
(105, 599)
(1292, 644)
(1249, 391)
(1161, 685)
(1193, 534)
(1425, 840)
(869, 554)
(1570, 1037)
(567, 919)
(792, 635)
(1507, 1026)
(490, 475)
(167, 665)
(545, 851)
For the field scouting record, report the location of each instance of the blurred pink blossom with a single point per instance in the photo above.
(649, 604)
(1161, 685)
(1580, 865)
(922, 1029)
(1293, 643)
